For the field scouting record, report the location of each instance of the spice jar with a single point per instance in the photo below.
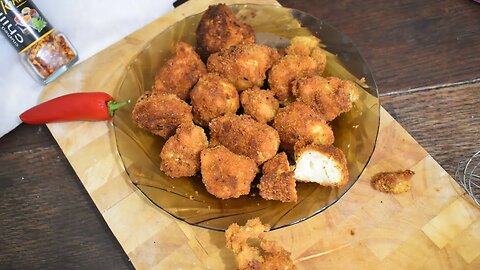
(45, 52)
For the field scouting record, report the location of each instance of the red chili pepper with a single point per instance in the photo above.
(90, 106)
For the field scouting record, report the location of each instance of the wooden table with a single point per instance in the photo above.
(425, 56)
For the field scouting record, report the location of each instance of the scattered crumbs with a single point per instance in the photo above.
(154, 242)
(196, 192)
(355, 126)
(173, 187)
(381, 201)
(209, 207)
(23, 178)
(363, 80)
(348, 145)
(252, 195)
(190, 197)
(437, 189)
(258, 204)
(352, 232)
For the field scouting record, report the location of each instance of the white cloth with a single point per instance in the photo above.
(91, 26)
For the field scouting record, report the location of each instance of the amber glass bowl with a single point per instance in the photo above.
(187, 198)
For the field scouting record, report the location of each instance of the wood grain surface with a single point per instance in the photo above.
(49, 221)
(408, 44)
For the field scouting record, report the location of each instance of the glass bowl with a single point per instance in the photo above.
(187, 198)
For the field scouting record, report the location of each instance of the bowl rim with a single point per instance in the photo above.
(347, 40)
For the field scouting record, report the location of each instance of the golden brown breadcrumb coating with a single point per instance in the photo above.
(161, 114)
(245, 136)
(244, 65)
(275, 256)
(328, 96)
(277, 182)
(178, 75)
(298, 122)
(213, 96)
(259, 104)
(393, 182)
(302, 45)
(323, 164)
(303, 58)
(308, 46)
(287, 70)
(261, 254)
(225, 174)
(219, 29)
(180, 156)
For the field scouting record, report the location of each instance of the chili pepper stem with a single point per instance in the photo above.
(113, 106)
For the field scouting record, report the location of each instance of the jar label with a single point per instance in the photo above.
(22, 23)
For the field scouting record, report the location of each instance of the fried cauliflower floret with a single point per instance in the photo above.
(287, 70)
(328, 96)
(277, 182)
(265, 255)
(322, 164)
(393, 182)
(180, 156)
(178, 75)
(219, 29)
(225, 174)
(245, 136)
(302, 45)
(161, 114)
(244, 65)
(259, 104)
(237, 236)
(213, 96)
(320, 57)
(299, 123)
(308, 46)
(275, 256)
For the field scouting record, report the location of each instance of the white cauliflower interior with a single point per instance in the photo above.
(314, 166)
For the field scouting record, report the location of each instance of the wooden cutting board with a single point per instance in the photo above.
(434, 226)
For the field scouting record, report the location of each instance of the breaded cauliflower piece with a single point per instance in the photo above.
(265, 255)
(303, 58)
(393, 182)
(178, 75)
(180, 156)
(322, 164)
(259, 104)
(287, 70)
(277, 182)
(161, 114)
(244, 65)
(302, 45)
(225, 174)
(219, 29)
(275, 256)
(328, 96)
(245, 136)
(213, 96)
(299, 123)
(308, 46)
